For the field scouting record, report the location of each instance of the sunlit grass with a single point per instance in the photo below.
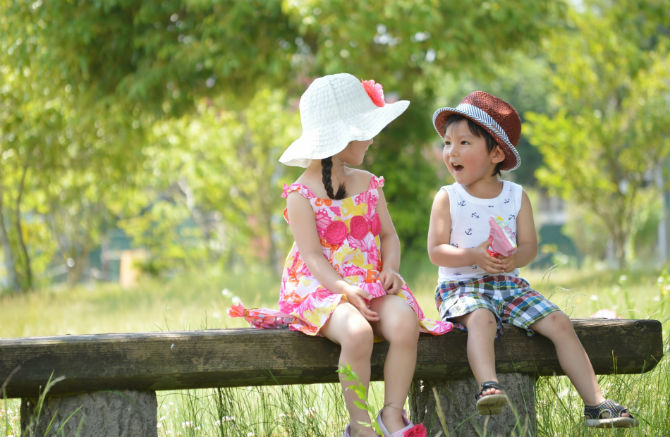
(200, 300)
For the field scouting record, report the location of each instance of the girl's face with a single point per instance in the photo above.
(354, 153)
(466, 156)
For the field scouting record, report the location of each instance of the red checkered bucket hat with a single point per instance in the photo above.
(495, 115)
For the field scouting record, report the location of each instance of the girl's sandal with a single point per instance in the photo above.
(409, 430)
(492, 403)
(609, 414)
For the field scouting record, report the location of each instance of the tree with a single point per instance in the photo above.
(120, 67)
(608, 134)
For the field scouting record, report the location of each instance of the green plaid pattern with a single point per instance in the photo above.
(509, 298)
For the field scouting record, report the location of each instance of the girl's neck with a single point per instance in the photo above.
(313, 176)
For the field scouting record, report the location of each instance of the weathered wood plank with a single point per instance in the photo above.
(243, 357)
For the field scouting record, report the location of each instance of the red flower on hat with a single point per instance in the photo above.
(375, 91)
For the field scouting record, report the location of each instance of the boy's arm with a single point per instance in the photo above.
(526, 237)
(440, 251)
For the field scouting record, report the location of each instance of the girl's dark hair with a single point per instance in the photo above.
(326, 167)
(477, 131)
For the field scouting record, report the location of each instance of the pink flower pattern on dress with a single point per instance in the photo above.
(359, 227)
(349, 230)
(335, 233)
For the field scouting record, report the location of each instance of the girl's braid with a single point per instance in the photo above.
(326, 166)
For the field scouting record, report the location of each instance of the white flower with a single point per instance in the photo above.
(226, 293)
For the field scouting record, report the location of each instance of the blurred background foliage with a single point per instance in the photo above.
(160, 123)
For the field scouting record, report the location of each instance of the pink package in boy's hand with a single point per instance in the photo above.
(502, 240)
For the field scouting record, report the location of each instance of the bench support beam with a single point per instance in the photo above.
(103, 413)
(456, 400)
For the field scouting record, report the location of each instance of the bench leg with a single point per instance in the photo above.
(457, 402)
(102, 413)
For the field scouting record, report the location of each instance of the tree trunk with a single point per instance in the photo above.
(75, 272)
(8, 255)
(19, 230)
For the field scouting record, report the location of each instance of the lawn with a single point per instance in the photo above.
(199, 300)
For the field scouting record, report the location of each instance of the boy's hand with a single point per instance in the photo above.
(492, 264)
(391, 281)
(360, 299)
(509, 261)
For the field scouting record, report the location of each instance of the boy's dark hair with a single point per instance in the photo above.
(326, 167)
(477, 131)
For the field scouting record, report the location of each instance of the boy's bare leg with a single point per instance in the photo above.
(481, 324)
(571, 355)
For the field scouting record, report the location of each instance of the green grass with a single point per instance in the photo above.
(198, 301)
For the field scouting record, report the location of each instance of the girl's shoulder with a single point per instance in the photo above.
(363, 180)
(299, 188)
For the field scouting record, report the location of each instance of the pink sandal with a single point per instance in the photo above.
(409, 430)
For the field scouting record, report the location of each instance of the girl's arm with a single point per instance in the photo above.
(390, 248)
(526, 238)
(303, 226)
(440, 251)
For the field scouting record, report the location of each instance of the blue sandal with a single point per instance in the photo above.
(608, 414)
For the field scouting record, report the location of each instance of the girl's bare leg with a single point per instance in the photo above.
(348, 328)
(400, 327)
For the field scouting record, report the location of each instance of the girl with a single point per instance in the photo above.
(341, 276)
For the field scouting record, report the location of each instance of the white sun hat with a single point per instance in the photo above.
(335, 110)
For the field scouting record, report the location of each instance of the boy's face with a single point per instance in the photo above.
(466, 156)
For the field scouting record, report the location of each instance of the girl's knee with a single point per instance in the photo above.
(403, 328)
(358, 338)
(398, 321)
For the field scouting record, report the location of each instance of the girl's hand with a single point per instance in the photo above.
(492, 264)
(391, 281)
(360, 299)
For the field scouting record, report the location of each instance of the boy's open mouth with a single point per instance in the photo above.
(457, 167)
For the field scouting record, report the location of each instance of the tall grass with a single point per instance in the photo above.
(200, 300)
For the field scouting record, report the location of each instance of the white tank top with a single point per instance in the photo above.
(470, 223)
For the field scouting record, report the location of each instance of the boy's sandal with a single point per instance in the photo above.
(492, 403)
(609, 414)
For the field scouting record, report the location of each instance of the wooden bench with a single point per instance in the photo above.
(109, 380)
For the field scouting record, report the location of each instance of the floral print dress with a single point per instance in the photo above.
(349, 234)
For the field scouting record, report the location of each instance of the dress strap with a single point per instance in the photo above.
(376, 182)
(300, 188)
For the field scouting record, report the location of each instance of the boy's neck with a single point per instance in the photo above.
(485, 189)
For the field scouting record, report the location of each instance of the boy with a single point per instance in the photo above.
(478, 290)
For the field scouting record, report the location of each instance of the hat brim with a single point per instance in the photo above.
(330, 140)
(512, 159)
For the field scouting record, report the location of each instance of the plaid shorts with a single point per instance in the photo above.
(509, 298)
